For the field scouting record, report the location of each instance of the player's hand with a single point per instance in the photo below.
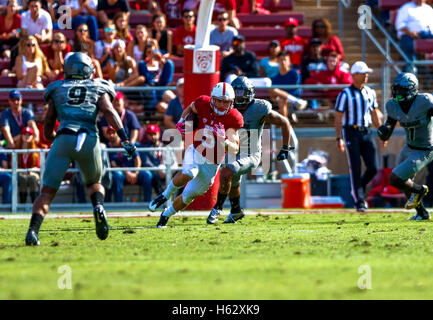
(220, 132)
(129, 148)
(284, 153)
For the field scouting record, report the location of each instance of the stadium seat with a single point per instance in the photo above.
(269, 20)
(8, 82)
(391, 4)
(270, 33)
(260, 48)
(424, 46)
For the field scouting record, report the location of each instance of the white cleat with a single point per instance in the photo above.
(213, 216)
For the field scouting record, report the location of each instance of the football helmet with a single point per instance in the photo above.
(78, 66)
(405, 87)
(222, 91)
(244, 91)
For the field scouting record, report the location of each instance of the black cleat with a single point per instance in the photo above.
(235, 216)
(416, 198)
(162, 223)
(361, 206)
(32, 238)
(157, 202)
(421, 215)
(101, 222)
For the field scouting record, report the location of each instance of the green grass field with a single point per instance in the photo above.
(305, 256)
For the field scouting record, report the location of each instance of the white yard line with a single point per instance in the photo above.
(198, 213)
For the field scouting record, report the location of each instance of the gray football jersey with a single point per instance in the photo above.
(417, 122)
(76, 102)
(250, 135)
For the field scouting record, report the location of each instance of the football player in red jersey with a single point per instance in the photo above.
(216, 135)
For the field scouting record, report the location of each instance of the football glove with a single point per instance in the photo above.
(181, 127)
(220, 132)
(129, 148)
(284, 153)
(383, 132)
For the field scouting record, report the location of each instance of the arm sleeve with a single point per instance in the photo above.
(340, 104)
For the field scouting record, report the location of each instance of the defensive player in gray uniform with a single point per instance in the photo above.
(414, 111)
(256, 113)
(75, 102)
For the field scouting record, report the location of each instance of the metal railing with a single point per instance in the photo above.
(14, 206)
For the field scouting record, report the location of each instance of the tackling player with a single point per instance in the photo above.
(217, 134)
(256, 113)
(414, 111)
(75, 102)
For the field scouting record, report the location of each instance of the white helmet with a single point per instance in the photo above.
(223, 91)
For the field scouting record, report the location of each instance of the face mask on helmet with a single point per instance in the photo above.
(243, 97)
(402, 94)
(221, 106)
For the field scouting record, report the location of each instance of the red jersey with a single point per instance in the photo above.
(294, 47)
(16, 23)
(183, 37)
(205, 139)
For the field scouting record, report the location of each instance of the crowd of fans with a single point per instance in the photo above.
(33, 40)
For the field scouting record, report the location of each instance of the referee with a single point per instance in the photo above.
(356, 108)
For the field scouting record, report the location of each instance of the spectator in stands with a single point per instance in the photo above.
(228, 6)
(175, 107)
(255, 6)
(151, 6)
(135, 48)
(53, 8)
(82, 47)
(119, 160)
(122, 29)
(37, 22)
(172, 9)
(44, 143)
(159, 32)
(5, 179)
(240, 62)
(55, 54)
(107, 9)
(31, 66)
(288, 100)
(81, 35)
(152, 159)
(129, 119)
(15, 118)
(332, 75)
(122, 69)
(414, 21)
(28, 182)
(292, 43)
(157, 71)
(323, 31)
(184, 34)
(104, 47)
(10, 25)
(268, 67)
(223, 34)
(84, 12)
(314, 61)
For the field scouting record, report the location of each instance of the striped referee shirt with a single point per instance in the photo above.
(356, 105)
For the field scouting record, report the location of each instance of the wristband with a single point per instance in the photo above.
(122, 134)
(285, 147)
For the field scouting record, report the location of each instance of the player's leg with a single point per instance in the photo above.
(402, 175)
(196, 187)
(58, 158)
(236, 212)
(90, 163)
(189, 171)
(226, 176)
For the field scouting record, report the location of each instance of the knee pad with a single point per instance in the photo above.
(193, 190)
